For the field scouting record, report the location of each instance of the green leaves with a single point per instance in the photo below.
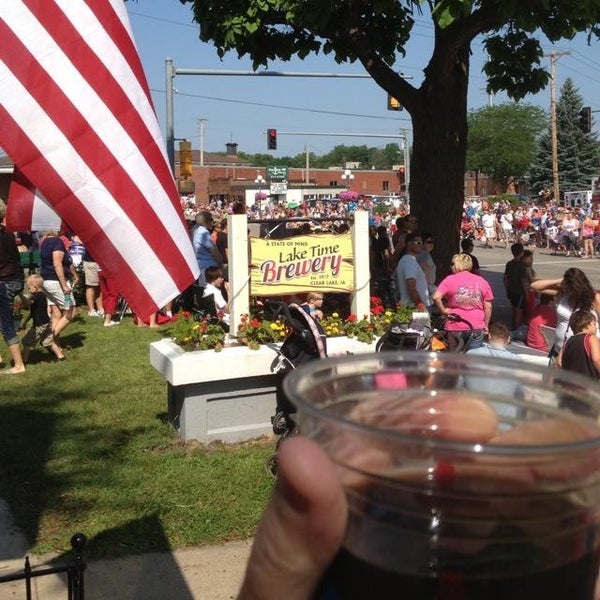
(447, 12)
(511, 66)
(503, 139)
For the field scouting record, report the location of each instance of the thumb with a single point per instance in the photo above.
(301, 529)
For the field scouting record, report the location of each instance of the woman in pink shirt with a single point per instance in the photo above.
(467, 295)
(587, 235)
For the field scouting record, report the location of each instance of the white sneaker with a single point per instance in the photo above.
(111, 323)
(93, 313)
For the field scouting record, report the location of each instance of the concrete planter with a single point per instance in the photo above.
(228, 395)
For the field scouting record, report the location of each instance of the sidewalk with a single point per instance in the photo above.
(205, 573)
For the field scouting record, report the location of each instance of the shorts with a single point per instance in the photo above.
(39, 333)
(55, 294)
(517, 300)
(90, 273)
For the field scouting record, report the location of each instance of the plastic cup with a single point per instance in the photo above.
(467, 478)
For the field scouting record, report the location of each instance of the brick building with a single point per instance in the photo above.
(227, 177)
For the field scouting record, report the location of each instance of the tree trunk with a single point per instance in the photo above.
(439, 152)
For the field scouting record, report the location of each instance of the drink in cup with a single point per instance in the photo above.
(467, 478)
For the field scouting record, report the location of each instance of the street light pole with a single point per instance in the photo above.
(259, 181)
(347, 177)
(202, 123)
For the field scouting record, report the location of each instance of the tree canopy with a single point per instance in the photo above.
(503, 139)
(376, 34)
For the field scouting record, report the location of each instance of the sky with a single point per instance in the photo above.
(310, 110)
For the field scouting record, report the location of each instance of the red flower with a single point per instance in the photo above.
(376, 301)
(255, 323)
(351, 318)
(377, 310)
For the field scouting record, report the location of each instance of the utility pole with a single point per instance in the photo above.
(406, 162)
(306, 175)
(554, 56)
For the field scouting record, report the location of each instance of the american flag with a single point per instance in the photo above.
(28, 210)
(78, 122)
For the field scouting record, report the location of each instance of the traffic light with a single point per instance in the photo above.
(393, 104)
(402, 178)
(272, 139)
(585, 119)
(185, 159)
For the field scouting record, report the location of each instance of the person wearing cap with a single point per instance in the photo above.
(205, 249)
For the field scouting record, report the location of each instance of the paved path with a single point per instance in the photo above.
(205, 573)
(214, 572)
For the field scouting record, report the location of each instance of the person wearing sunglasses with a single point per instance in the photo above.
(470, 297)
(411, 283)
(427, 263)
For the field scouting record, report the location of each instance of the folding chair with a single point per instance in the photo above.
(122, 307)
(549, 335)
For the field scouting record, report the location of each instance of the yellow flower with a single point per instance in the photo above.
(274, 326)
(335, 315)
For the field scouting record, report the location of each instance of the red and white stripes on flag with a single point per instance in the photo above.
(28, 210)
(77, 120)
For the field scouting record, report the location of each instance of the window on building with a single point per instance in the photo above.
(333, 184)
(386, 186)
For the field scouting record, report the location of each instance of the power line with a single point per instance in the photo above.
(163, 20)
(283, 107)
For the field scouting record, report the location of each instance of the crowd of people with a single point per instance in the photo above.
(47, 293)
(403, 270)
(572, 230)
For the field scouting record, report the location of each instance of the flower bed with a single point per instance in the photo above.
(255, 331)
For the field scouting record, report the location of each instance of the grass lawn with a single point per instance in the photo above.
(85, 446)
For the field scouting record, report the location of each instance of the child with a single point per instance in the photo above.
(214, 281)
(313, 305)
(581, 352)
(41, 332)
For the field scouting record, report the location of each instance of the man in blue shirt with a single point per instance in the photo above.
(205, 249)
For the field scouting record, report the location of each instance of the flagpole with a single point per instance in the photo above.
(170, 131)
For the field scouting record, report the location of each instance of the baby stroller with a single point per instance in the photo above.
(555, 241)
(427, 338)
(304, 342)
